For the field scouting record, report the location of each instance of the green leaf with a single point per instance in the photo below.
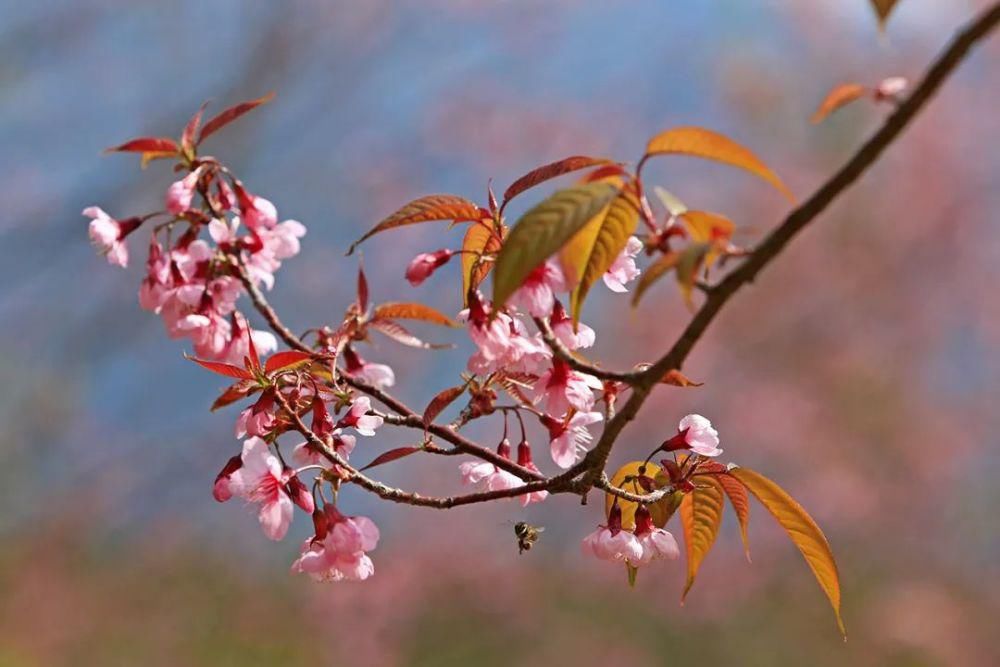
(542, 231)
(709, 145)
(803, 531)
(596, 247)
(701, 517)
(633, 571)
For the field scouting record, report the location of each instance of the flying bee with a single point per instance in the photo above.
(526, 535)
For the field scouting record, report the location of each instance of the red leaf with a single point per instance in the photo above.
(146, 145)
(392, 455)
(229, 115)
(362, 289)
(396, 332)
(549, 171)
(225, 369)
(283, 360)
(191, 129)
(235, 392)
(425, 209)
(440, 402)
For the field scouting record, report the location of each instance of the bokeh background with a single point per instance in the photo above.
(861, 371)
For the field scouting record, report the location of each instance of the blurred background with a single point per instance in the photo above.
(861, 371)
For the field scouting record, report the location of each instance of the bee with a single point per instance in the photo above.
(526, 535)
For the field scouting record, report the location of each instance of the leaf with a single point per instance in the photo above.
(235, 392)
(542, 231)
(707, 227)
(149, 156)
(480, 239)
(391, 455)
(803, 531)
(654, 272)
(633, 572)
(426, 209)
(191, 129)
(838, 96)
(550, 171)
(688, 263)
(882, 9)
(362, 289)
(228, 370)
(146, 145)
(412, 311)
(676, 378)
(673, 205)
(282, 361)
(596, 247)
(227, 116)
(396, 332)
(740, 501)
(699, 142)
(661, 511)
(701, 517)
(442, 400)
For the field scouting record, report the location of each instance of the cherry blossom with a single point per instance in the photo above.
(338, 550)
(108, 235)
(568, 439)
(377, 375)
(262, 479)
(424, 264)
(180, 194)
(656, 543)
(357, 417)
(624, 270)
(489, 475)
(524, 460)
(610, 542)
(536, 295)
(561, 388)
(564, 331)
(695, 433)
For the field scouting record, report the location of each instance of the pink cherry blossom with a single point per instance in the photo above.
(568, 440)
(338, 550)
(259, 419)
(656, 543)
(261, 479)
(624, 270)
(258, 213)
(562, 328)
(610, 542)
(536, 295)
(108, 235)
(524, 460)
(424, 264)
(890, 88)
(357, 417)
(695, 433)
(222, 490)
(180, 194)
(561, 388)
(489, 475)
(377, 375)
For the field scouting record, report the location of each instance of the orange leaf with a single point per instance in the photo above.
(661, 511)
(549, 171)
(442, 400)
(426, 209)
(738, 498)
(802, 530)
(701, 517)
(480, 239)
(412, 311)
(699, 142)
(399, 334)
(227, 116)
(839, 96)
(708, 227)
(676, 378)
(654, 272)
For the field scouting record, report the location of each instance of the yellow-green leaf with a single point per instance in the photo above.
(660, 511)
(839, 96)
(688, 263)
(425, 209)
(654, 272)
(542, 231)
(701, 517)
(596, 247)
(480, 239)
(706, 227)
(673, 205)
(699, 142)
(803, 531)
(412, 311)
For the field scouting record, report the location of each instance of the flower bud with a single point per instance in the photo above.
(424, 264)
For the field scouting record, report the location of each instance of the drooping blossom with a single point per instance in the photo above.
(488, 474)
(180, 194)
(524, 460)
(695, 433)
(561, 388)
(536, 295)
(108, 235)
(562, 328)
(257, 213)
(377, 375)
(502, 341)
(612, 543)
(338, 550)
(424, 264)
(656, 543)
(259, 419)
(324, 428)
(624, 270)
(357, 417)
(261, 479)
(568, 439)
